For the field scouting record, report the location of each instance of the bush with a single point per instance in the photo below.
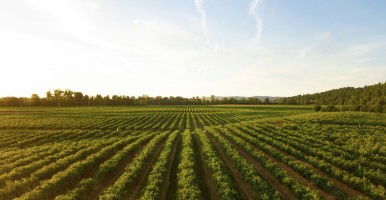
(344, 108)
(317, 108)
(331, 108)
(379, 108)
(364, 108)
(355, 107)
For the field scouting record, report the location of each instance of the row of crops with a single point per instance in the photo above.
(201, 153)
(150, 118)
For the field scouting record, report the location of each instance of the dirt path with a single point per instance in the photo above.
(335, 182)
(173, 117)
(168, 178)
(108, 180)
(245, 190)
(86, 173)
(134, 190)
(284, 191)
(172, 187)
(207, 187)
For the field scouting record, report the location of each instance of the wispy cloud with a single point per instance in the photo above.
(303, 52)
(202, 13)
(254, 11)
(319, 42)
(361, 49)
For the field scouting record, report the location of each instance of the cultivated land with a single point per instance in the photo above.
(191, 152)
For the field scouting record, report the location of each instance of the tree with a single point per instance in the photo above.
(331, 108)
(68, 94)
(98, 100)
(203, 100)
(86, 99)
(12, 101)
(78, 97)
(35, 100)
(143, 100)
(317, 108)
(58, 93)
(213, 99)
(254, 100)
(159, 99)
(106, 100)
(266, 101)
(48, 94)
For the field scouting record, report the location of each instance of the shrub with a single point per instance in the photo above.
(331, 108)
(317, 108)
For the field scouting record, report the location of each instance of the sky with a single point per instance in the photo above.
(191, 47)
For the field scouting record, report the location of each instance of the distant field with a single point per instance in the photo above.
(191, 152)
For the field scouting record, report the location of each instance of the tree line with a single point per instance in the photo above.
(368, 99)
(68, 97)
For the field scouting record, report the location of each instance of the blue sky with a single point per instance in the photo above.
(191, 48)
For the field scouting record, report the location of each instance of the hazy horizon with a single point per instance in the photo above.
(190, 48)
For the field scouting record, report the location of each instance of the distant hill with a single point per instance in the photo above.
(367, 98)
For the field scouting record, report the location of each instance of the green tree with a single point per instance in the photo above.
(266, 101)
(35, 100)
(78, 98)
(213, 99)
(317, 108)
(48, 94)
(58, 95)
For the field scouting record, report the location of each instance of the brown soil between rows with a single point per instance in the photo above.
(167, 179)
(294, 174)
(170, 122)
(171, 189)
(208, 188)
(87, 173)
(110, 179)
(245, 190)
(335, 182)
(284, 191)
(134, 190)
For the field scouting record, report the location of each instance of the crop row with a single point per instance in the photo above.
(249, 173)
(50, 177)
(300, 150)
(105, 169)
(118, 189)
(157, 177)
(142, 120)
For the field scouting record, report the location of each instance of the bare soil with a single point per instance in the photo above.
(284, 191)
(108, 180)
(134, 190)
(335, 182)
(245, 190)
(168, 179)
(172, 187)
(207, 187)
(87, 173)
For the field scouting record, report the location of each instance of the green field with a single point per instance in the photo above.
(191, 152)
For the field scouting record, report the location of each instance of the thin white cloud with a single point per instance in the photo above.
(252, 6)
(321, 41)
(361, 49)
(303, 52)
(202, 13)
(254, 11)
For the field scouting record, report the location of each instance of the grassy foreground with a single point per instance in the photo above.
(191, 152)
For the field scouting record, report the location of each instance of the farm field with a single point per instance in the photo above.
(191, 152)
